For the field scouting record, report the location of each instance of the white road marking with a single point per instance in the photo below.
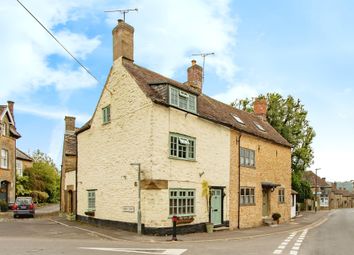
(296, 247)
(139, 250)
(283, 245)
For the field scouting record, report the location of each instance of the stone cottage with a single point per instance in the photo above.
(8, 137)
(197, 158)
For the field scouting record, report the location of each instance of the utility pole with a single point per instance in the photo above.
(139, 197)
(203, 55)
(316, 188)
(123, 11)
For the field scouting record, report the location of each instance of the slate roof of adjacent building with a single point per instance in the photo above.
(311, 178)
(208, 108)
(23, 156)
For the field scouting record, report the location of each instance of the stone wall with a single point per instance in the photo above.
(9, 174)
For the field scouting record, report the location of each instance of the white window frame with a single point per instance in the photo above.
(182, 147)
(324, 201)
(182, 99)
(182, 202)
(247, 157)
(4, 159)
(281, 195)
(91, 200)
(19, 167)
(247, 196)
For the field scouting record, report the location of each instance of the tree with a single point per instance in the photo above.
(42, 180)
(289, 117)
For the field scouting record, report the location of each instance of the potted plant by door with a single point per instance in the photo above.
(276, 217)
(206, 194)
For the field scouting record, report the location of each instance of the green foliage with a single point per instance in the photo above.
(289, 117)
(302, 186)
(22, 186)
(41, 181)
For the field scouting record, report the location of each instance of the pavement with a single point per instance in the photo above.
(306, 220)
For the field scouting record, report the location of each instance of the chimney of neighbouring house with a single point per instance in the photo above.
(123, 41)
(10, 104)
(69, 125)
(195, 76)
(324, 178)
(260, 108)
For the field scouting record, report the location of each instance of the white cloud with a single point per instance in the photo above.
(168, 32)
(238, 91)
(26, 48)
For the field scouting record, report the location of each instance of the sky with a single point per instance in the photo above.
(301, 48)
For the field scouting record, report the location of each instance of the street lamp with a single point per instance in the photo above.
(139, 197)
(316, 189)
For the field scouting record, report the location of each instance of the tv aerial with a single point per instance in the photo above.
(123, 11)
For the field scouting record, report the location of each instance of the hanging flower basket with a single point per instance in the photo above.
(90, 213)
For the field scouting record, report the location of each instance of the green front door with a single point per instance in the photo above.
(216, 206)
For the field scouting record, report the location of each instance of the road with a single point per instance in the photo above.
(41, 236)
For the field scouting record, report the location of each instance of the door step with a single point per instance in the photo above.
(268, 221)
(221, 229)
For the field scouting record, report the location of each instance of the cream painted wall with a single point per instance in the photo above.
(105, 152)
(70, 179)
(212, 159)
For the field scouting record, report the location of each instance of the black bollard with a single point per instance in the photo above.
(174, 229)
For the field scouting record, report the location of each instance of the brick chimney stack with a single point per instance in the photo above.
(11, 104)
(123, 41)
(260, 108)
(69, 125)
(195, 76)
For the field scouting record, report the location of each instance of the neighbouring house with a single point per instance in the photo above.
(23, 161)
(68, 169)
(341, 198)
(321, 187)
(8, 137)
(348, 185)
(177, 141)
(293, 203)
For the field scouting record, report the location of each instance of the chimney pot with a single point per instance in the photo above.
(260, 108)
(195, 76)
(69, 125)
(123, 41)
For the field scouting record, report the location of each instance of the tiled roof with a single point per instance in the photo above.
(23, 156)
(70, 144)
(311, 178)
(208, 108)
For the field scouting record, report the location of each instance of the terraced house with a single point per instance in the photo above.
(8, 137)
(181, 141)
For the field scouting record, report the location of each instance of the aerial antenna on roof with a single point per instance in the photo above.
(123, 11)
(203, 55)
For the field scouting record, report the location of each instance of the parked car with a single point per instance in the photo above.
(23, 206)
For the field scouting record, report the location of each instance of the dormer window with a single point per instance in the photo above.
(183, 100)
(259, 126)
(238, 119)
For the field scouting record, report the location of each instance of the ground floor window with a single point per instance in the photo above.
(182, 202)
(91, 204)
(247, 196)
(324, 201)
(281, 196)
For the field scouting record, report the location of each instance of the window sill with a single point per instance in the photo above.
(248, 205)
(5, 169)
(182, 215)
(252, 167)
(184, 159)
(106, 123)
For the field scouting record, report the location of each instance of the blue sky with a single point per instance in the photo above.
(301, 48)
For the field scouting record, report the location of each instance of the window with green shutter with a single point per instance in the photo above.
(106, 112)
(182, 147)
(183, 100)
